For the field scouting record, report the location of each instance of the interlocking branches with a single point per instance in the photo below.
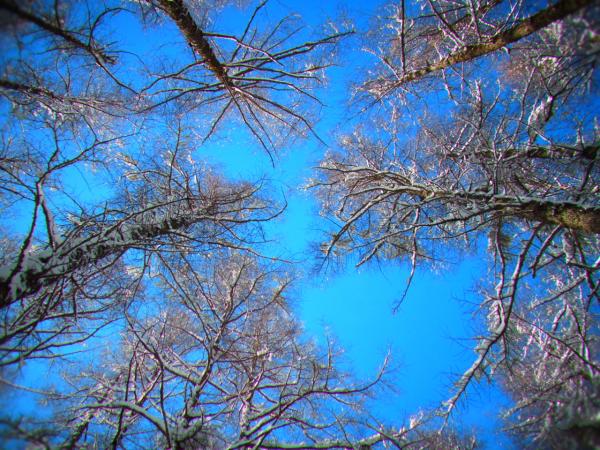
(220, 365)
(514, 162)
(451, 34)
(265, 77)
(54, 24)
(69, 268)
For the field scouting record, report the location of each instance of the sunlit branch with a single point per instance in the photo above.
(524, 28)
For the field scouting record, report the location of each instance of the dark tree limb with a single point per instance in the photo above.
(42, 268)
(98, 53)
(196, 38)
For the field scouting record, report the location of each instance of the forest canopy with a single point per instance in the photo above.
(150, 282)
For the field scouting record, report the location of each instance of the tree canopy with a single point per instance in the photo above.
(147, 278)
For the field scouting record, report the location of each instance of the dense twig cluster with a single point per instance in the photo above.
(513, 162)
(162, 265)
(160, 262)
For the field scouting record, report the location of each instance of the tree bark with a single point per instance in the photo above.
(525, 28)
(568, 215)
(575, 216)
(587, 152)
(196, 38)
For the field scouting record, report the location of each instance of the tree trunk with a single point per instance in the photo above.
(195, 37)
(45, 267)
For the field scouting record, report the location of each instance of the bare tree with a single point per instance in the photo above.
(80, 102)
(513, 161)
(159, 267)
(447, 34)
(262, 75)
(553, 375)
(162, 264)
(215, 361)
(79, 270)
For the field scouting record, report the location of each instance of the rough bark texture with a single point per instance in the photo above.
(568, 215)
(195, 37)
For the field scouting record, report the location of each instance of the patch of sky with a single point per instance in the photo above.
(429, 337)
